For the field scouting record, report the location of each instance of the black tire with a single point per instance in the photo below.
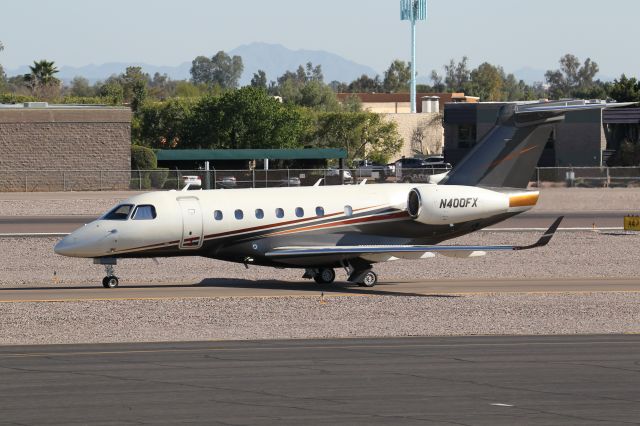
(369, 279)
(110, 282)
(325, 276)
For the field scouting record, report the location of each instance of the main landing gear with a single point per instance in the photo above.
(363, 277)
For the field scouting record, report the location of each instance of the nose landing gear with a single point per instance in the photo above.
(110, 281)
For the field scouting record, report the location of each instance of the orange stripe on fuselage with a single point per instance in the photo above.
(524, 200)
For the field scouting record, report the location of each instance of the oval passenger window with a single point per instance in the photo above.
(319, 211)
(239, 214)
(299, 211)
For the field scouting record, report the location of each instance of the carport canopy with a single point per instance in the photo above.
(250, 154)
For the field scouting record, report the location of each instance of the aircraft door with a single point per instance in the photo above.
(191, 223)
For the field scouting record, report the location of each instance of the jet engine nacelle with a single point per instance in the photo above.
(439, 205)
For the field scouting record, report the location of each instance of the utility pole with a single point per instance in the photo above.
(413, 10)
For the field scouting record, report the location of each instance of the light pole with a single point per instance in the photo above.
(413, 10)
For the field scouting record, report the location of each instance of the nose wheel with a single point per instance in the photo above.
(110, 281)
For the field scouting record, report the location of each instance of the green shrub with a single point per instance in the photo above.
(143, 158)
(159, 177)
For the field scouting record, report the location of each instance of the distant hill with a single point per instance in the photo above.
(274, 59)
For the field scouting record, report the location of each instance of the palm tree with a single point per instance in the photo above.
(42, 75)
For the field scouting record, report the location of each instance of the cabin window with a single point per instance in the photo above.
(319, 211)
(259, 214)
(299, 212)
(217, 215)
(144, 212)
(239, 214)
(279, 213)
(348, 210)
(120, 212)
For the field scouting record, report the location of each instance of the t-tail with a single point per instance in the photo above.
(508, 155)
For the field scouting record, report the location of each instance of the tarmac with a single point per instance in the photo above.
(560, 380)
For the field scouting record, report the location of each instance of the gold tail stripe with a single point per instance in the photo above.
(523, 200)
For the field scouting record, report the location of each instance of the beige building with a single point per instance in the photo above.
(64, 147)
(422, 132)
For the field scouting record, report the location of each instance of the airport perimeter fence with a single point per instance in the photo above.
(164, 179)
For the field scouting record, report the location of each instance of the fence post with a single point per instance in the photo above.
(139, 179)
(100, 181)
(64, 181)
(538, 176)
(26, 182)
(288, 178)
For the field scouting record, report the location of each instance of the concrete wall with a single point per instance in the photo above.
(43, 149)
(432, 133)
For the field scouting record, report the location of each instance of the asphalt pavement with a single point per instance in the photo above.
(65, 224)
(561, 380)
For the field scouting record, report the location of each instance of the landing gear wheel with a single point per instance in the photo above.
(110, 282)
(369, 279)
(325, 276)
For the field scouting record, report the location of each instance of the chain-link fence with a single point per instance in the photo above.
(588, 177)
(141, 180)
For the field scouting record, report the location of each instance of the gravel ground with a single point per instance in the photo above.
(306, 317)
(95, 203)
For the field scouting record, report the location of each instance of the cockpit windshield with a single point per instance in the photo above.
(144, 212)
(120, 212)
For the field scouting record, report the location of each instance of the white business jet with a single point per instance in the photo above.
(321, 228)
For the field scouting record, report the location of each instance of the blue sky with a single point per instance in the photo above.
(512, 33)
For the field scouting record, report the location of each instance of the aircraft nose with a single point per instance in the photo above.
(64, 247)
(88, 241)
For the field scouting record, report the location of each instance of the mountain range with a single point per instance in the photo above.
(274, 59)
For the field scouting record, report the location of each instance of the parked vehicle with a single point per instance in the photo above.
(331, 172)
(194, 181)
(370, 169)
(227, 182)
(419, 169)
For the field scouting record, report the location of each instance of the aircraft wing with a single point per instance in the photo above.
(381, 253)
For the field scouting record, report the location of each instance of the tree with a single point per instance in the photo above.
(488, 82)
(397, 77)
(222, 70)
(571, 77)
(259, 79)
(305, 87)
(456, 77)
(246, 118)
(41, 80)
(625, 89)
(134, 85)
(80, 87)
(361, 134)
(365, 84)
(111, 90)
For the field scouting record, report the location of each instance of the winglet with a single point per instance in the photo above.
(546, 237)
